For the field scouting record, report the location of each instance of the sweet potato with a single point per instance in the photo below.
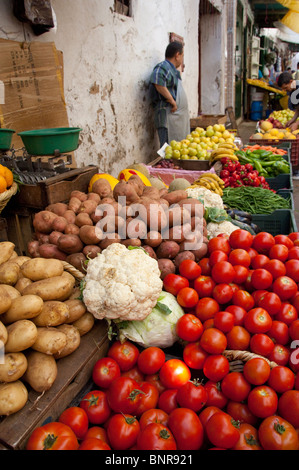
(125, 193)
(194, 206)
(43, 220)
(90, 235)
(102, 188)
(168, 250)
(78, 260)
(83, 219)
(79, 195)
(59, 208)
(59, 224)
(74, 204)
(89, 206)
(91, 251)
(94, 196)
(70, 216)
(53, 237)
(70, 244)
(166, 266)
(151, 192)
(49, 250)
(175, 196)
(138, 184)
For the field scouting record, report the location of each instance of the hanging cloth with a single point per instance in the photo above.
(178, 123)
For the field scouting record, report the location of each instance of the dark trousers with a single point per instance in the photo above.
(163, 135)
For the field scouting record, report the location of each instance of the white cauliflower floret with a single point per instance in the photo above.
(215, 229)
(209, 198)
(122, 284)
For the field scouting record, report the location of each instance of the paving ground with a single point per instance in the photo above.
(246, 129)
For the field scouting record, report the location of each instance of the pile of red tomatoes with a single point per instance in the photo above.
(242, 298)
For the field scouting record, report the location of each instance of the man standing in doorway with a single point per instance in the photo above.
(171, 113)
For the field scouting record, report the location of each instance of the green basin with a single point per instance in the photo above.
(5, 138)
(51, 141)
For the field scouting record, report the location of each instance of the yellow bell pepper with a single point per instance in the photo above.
(113, 181)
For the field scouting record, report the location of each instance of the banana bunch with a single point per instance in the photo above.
(224, 150)
(210, 181)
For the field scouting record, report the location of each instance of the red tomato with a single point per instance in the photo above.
(125, 354)
(189, 269)
(134, 373)
(283, 240)
(293, 236)
(156, 436)
(262, 344)
(235, 387)
(105, 371)
(238, 338)
(167, 400)
(76, 418)
(259, 261)
(270, 302)
(239, 256)
(96, 406)
(275, 433)
(192, 395)
(262, 401)
(194, 355)
(261, 279)
(174, 373)
(287, 313)
(258, 295)
(204, 263)
(187, 297)
(216, 367)
(123, 395)
(215, 396)
(173, 283)
(92, 443)
(96, 432)
(279, 332)
(288, 407)
(295, 301)
(52, 436)
(281, 379)
(243, 299)
(292, 269)
(123, 430)
(223, 293)
(241, 274)
(224, 321)
(279, 251)
(240, 412)
(276, 268)
(248, 438)
(154, 415)
(216, 256)
(223, 272)
(252, 253)
(238, 313)
(206, 308)
(149, 397)
(240, 239)
(189, 327)
(186, 428)
(150, 360)
(257, 320)
(280, 354)
(262, 242)
(256, 371)
(204, 286)
(213, 341)
(155, 380)
(219, 243)
(294, 330)
(293, 252)
(206, 414)
(222, 431)
(284, 287)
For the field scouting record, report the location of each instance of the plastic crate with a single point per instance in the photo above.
(283, 181)
(280, 222)
(294, 151)
(287, 194)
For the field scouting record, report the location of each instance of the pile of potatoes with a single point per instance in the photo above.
(89, 222)
(42, 320)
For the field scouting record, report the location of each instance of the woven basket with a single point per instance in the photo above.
(237, 359)
(72, 270)
(7, 195)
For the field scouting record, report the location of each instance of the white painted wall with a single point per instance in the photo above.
(108, 59)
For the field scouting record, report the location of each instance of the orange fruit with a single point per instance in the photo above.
(8, 175)
(3, 184)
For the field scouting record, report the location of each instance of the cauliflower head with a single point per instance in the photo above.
(209, 198)
(215, 229)
(122, 283)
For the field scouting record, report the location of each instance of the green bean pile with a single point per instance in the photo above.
(255, 200)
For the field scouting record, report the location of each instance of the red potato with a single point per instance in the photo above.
(54, 236)
(42, 237)
(131, 242)
(112, 208)
(150, 251)
(95, 197)
(43, 220)
(153, 239)
(79, 195)
(102, 188)
(178, 233)
(177, 215)
(156, 217)
(125, 193)
(89, 206)
(33, 248)
(72, 229)
(83, 219)
(135, 228)
(166, 266)
(78, 260)
(165, 204)
(90, 235)
(182, 256)
(91, 251)
(48, 250)
(113, 238)
(137, 183)
(59, 224)
(194, 206)
(168, 250)
(70, 216)
(74, 204)
(151, 192)
(70, 244)
(95, 218)
(112, 224)
(59, 208)
(200, 252)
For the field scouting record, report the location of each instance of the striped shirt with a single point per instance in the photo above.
(164, 74)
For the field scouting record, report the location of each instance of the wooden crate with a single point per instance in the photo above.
(74, 372)
(55, 189)
(206, 120)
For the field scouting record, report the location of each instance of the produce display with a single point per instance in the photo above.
(265, 162)
(255, 200)
(230, 379)
(280, 118)
(269, 131)
(41, 320)
(6, 178)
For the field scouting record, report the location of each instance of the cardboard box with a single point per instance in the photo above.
(206, 120)
(32, 73)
